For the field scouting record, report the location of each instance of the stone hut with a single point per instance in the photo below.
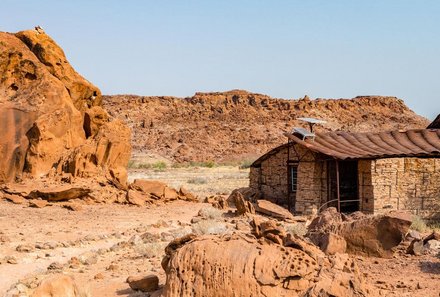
(370, 172)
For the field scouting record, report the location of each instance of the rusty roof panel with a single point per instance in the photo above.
(346, 145)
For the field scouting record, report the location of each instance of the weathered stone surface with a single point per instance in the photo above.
(16, 199)
(147, 283)
(51, 117)
(154, 188)
(368, 235)
(238, 265)
(73, 206)
(271, 209)
(416, 247)
(332, 243)
(136, 197)
(183, 192)
(59, 193)
(243, 206)
(142, 192)
(38, 203)
(59, 286)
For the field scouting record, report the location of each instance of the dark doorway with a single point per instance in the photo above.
(348, 185)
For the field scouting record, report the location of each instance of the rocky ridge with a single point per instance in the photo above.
(238, 125)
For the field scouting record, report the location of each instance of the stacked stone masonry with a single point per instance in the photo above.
(411, 184)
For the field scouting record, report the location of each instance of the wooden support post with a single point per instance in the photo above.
(337, 186)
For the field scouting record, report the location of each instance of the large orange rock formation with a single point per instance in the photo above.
(51, 118)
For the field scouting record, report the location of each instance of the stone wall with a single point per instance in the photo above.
(411, 184)
(271, 179)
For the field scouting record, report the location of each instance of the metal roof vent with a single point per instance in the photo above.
(303, 132)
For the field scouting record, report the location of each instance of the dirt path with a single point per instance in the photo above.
(95, 236)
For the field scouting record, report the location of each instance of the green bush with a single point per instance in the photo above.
(208, 164)
(418, 224)
(160, 165)
(131, 164)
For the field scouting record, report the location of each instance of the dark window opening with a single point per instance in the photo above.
(293, 178)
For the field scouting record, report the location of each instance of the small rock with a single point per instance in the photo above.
(166, 236)
(37, 203)
(25, 248)
(147, 283)
(4, 238)
(414, 235)
(73, 206)
(416, 247)
(195, 220)
(88, 258)
(99, 276)
(11, 260)
(242, 226)
(160, 224)
(16, 199)
(432, 245)
(55, 266)
(149, 237)
(113, 267)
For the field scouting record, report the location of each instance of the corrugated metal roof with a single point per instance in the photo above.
(346, 145)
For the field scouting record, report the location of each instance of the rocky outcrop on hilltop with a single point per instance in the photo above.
(239, 125)
(51, 119)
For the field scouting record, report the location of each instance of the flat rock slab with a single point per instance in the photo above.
(273, 210)
(59, 193)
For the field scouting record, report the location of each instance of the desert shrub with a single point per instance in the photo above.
(131, 164)
(418, 224)
(208, 164)
(160, 165)
(144, 166)
(197, 181)
(180, 232)
(209, 227)
(210, 212)
(296, 229)
(245, 164)
(151, 250)
(434, 226)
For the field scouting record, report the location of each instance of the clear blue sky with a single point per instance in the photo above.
(286, 49)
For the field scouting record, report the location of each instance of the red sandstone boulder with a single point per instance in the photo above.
(142, 192)
(147, 283)
(51, 118)
(59, 286)
(273, 210)
(243, 206)
(364, 235)
(239, 265)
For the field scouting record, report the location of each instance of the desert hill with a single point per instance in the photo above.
(238, 125)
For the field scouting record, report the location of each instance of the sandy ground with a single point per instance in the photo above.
(101, 245)
(200, 180)
(91, 233)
